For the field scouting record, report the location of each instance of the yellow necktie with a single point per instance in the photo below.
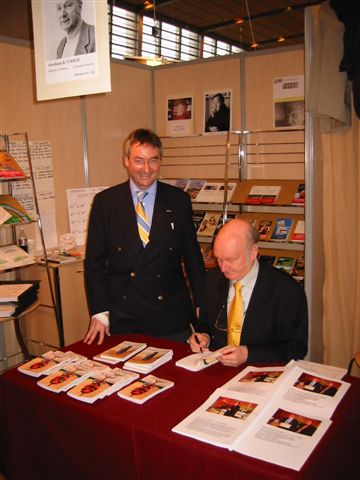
(235, 316)
(142, 220)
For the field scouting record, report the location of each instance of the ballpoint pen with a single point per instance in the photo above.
(196, 337)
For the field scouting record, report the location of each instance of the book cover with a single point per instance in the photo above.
(298, 234)
(264, 229)
(281, 229)
(208, 225)
(299, 196)
(182, 183)
(255, 195)
(299, 269)
(198, 361)
(198, 217)
(263, 194)
(9, 168)
(48, 362)
(285, 263)
(16, 212)
(144, 389)
(193, 188)
(121, 352)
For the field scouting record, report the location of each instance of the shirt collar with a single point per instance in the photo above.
(151, 190)
(250, 277)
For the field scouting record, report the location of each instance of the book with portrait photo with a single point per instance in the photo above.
(145, 388)
(264, 229)
(209, 224)
(282, 229)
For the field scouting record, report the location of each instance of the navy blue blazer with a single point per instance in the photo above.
(276, 321)
(144, 289)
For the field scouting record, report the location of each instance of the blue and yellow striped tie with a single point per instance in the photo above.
(142, 220)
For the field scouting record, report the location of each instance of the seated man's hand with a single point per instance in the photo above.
(202, 342)
(233, 356)
(96, 328)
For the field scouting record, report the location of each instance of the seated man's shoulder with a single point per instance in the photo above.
(280, 277)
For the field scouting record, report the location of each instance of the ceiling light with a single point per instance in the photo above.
(239, 21)
(148, 5)
(281, 39)
(254, 45)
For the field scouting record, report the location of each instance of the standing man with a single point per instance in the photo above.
(141, 234)
(80, 36)
(256, 311)
(219, 118)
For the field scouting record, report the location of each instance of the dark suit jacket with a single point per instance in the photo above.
(86, 42)
(276, 323)
(143, 288)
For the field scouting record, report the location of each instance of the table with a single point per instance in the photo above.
(52, 436)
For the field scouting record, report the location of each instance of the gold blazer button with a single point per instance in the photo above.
(132, 274)
(160, 297)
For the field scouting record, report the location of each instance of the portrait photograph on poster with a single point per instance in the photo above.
(217, 111)
(179, 115)
(289, 101)
(71, 47)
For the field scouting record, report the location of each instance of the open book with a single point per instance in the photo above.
(276, 414)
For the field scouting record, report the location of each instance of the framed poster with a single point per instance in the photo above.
(289, 101)
(71, 43)
(217, 112)
(179, 115)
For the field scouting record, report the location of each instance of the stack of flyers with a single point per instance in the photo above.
(101, 384)
(149, 359)
(199, 361)
(120, 352)
(144, 389)
(69, 375)
(49, 362)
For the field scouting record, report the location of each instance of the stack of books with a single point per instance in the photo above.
(101, 384)
(147, 360)
(121, 352)
(16, 296)
(49, 362)
(144, 389)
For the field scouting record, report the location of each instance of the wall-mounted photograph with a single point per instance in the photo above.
(289, 104)
(179, 115)
(217, 117)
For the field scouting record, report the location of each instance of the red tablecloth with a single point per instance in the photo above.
(52, 436)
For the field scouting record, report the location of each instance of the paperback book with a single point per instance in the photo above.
(285, 263)
(149, 359)
(276, 414)
(193, 188)
(298, 234)
(282, 229)
(142, 390)
(69, 375)
(209, 224)
(263, 195)
(121, 352)
(48, 363)
(299, 196)
(264, 229)
(101, 384)
(198, 361)
(213, 192)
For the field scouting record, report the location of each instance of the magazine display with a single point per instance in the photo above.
(101, 384)
(48, 363)
(149, 359)
(121, 352)
(198, 361)
(144, 389)
(276, 414)
(69, 375)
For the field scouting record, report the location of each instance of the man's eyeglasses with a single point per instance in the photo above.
(152, 162)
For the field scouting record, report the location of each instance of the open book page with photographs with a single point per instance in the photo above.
(121, 352)
(69, 375)
(282, 229)
(209, 224)
(148, 359)
(272, 413)
(145, 388)
(48, 363)
(101, 384)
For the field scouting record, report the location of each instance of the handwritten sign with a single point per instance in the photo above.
(79, 205)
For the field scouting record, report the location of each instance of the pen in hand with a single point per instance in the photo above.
(195, 336)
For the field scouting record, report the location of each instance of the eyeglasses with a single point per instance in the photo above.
(219, 323)
(152, 162)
